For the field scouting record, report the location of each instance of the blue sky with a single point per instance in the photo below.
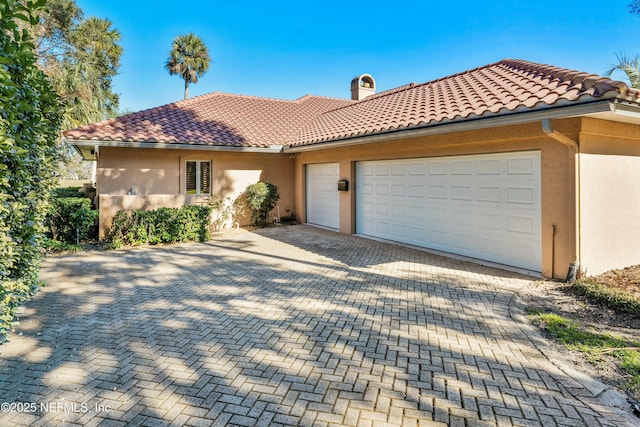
(286, 49)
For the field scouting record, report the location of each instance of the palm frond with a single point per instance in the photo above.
(630, 66)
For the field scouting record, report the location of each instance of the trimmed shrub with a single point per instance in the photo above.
(261, 198)
(163, 225)
(71, 219)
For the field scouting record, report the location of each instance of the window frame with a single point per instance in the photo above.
(198, 177)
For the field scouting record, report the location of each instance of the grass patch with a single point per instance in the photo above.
(607, 296)
(595, 346)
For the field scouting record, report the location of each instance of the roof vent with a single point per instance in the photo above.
(362, 86)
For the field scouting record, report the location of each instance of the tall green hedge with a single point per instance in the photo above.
(163, 225)
(71, 219)
(29, 126)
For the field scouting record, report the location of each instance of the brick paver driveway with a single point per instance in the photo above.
(290, 325)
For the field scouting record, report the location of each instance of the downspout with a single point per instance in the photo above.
(97, 183)
(548, 129)
(94, 176)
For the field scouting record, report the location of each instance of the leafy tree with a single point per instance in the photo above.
(29, 127)
(81, 56)
(634, 7)
(628, 65)
(189, 58)
(57, 21)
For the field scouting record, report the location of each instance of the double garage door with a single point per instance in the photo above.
(481, 206)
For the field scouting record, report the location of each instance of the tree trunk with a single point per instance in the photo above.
(186, 89)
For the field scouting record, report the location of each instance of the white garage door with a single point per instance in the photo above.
(483, 206)
(323, 198)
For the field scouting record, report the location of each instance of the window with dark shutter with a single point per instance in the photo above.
(198, 177)
(205, 178)
(192, 171)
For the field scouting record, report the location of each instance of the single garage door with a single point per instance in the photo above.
(482, 206)
(323, 198)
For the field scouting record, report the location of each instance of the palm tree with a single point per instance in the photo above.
(189, 58)
(628, 65)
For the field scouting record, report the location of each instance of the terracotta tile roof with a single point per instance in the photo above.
(506, 87)
(213, 119)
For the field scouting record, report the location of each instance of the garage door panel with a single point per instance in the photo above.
(462, 219)
(490, 194)
(438, 192)
(462, 193)
(415, 213)
(417, 233)
(382, 170)
(488, 167)
(521, 225)
(367, 189)
(461, 167)
(483, 206)
(490, 221)
(398, 190)
(417, 168)
(367, 170)
(521, 252)
(492, 246)
(417, 190)
(323, 198)
(438, 168)
(398, 170)
(382, 209)
(382, 190)
(522, 195)
(383, 228)
(437, 239)
(399, 230)
(461, 242)
(521, 166)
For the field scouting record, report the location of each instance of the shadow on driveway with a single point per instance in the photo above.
(290, 326)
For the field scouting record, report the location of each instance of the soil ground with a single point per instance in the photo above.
(559, 298)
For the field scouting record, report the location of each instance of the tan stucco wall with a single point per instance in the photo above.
(610, 195)
(601, 231)
(161, 172)
(557, 174)
(110, 205)
(150, 171)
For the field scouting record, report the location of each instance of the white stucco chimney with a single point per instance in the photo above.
(362, 86)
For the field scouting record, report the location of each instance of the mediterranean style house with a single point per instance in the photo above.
(517, 163)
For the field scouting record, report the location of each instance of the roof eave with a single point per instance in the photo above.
(173, 146)
(584, 109)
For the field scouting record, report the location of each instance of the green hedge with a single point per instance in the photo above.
(29, 126)
(163, 225)
(62, 192)
(71, 220)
